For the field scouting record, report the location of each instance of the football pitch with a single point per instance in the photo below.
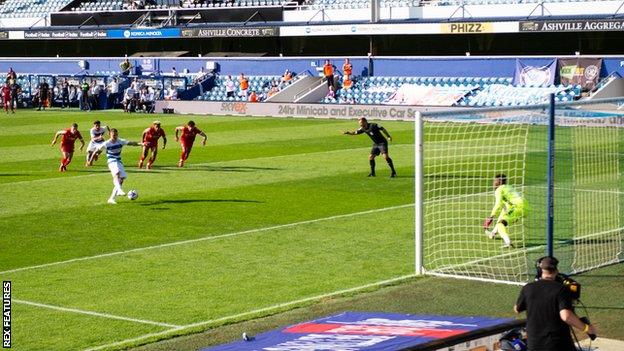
(271, 214)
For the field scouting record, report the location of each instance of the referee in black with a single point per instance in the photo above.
(380, 144)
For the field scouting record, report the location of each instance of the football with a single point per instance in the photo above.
(132, 194)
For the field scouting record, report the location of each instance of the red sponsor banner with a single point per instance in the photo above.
(362, 329)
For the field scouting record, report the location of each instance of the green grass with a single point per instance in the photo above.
(603, 293)
(292, 193)
(271, 215)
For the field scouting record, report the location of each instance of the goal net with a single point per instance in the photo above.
(463, 151)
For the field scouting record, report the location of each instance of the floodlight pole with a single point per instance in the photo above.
(550, 179)
(418, 193)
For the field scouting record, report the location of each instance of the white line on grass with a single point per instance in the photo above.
(253, 312)
(97, 314)
(207, 238)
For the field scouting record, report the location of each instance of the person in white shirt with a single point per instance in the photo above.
(97, 138)
(113, 148)
(230, 86)
(94, 93)
(172, 94)
(129, 99)
(200, 75)
(113, 92)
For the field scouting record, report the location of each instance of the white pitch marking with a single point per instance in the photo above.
(206, 238)
(264, 309)
(92, 313)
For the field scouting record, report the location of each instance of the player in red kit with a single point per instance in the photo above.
(6, 98)
(68, 140)
(150, 142)
(189, 131)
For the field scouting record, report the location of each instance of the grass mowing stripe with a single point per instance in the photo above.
(99, 171)
(176, 243)
(96, 314)
(60, 194)
(254, 313)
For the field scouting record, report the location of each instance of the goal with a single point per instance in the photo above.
(459, 153)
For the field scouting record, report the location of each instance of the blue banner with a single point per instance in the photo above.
(535, 75)
(355, 331)
(143, 33)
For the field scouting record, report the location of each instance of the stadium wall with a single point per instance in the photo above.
(293, 110)
(382, 66)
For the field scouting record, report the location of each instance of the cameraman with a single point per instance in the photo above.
(549, 311)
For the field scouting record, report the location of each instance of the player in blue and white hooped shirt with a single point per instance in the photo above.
(113, 148)
(97, 138)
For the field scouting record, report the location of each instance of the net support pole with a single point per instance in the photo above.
(418, 193)
(550, 178)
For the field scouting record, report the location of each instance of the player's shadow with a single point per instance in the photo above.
(189, 201)
(89, 170)
(208, 168)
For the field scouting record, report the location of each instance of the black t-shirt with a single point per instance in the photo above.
(542, 300)
(374, 132)
(43, 88)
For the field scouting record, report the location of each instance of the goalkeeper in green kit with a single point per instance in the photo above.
(509, 205)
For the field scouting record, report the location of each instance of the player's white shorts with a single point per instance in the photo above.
(116, 167)
(93, 145)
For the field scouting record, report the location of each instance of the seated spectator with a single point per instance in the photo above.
(331, 94)
(274, 89)
(171, 93)
(146, 100)
(253, 97)
(174, 72)
(346, 100)
(347, 83)
(287, 76)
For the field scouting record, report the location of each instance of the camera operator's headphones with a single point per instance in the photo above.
(552, 265)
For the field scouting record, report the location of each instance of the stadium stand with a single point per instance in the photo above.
(30, 8)
(96, 5)
(469, 91)
(262, 85)
(111, 5)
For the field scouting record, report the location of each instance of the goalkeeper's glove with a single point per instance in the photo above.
(488, 221)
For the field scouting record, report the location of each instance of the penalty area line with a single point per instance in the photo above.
(261, 311)
(96, 314)
(207, 238)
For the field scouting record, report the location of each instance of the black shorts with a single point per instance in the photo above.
(379, 149)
